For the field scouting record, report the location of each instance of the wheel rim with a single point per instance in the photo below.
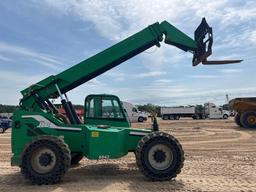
(1, 130)
(43, 160)
(160, 157)
(251, 120)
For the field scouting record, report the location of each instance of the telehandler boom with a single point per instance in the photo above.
(45, 143)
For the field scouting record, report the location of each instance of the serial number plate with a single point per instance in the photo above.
(104, 157)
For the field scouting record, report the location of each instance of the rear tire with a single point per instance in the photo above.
(248, 119)
(159, 156)
(45, 160)
(225, 116)
(177, 117)
(165, 117)
(195, 117)
(237, 120)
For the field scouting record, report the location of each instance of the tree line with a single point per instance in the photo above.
(150, 108)
(8, 108)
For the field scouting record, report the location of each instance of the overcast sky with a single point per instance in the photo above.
(42, 38)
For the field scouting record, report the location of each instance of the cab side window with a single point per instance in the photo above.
(134, 110)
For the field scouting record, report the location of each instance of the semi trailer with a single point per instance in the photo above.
(174, 113)
(208, 110)
(45, 143)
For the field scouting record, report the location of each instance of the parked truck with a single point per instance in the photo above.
(208, 110)
(133, 113)
(5, 123)
(245, 111)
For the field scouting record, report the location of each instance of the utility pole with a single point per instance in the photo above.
(227, 98)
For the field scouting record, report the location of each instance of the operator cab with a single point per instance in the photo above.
(105, 109)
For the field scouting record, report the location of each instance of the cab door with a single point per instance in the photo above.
(105, 110)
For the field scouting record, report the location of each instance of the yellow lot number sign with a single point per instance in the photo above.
(95, 134)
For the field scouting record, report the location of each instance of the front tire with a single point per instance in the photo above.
(45, 160)
(159, 156)
(248, 119)
(225, 116)
(140, 119)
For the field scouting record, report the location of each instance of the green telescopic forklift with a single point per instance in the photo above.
(45, 143)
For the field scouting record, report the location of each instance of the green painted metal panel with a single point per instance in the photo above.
(105, 143)
(93, 142)
(110, 122)
(174, 36)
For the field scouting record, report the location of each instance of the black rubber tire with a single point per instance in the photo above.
(248, 119)
(140, 119)
(171, 117)
(165, 117)
(237, 120)
(143, 163)
(76, 158)
(177, 117)
(63, 159)
(195, 117)
(225, 116)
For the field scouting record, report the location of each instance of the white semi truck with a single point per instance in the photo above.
(214, 112)
(209, 110)
(133, 113)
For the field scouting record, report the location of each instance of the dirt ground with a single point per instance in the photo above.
(219, 157)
